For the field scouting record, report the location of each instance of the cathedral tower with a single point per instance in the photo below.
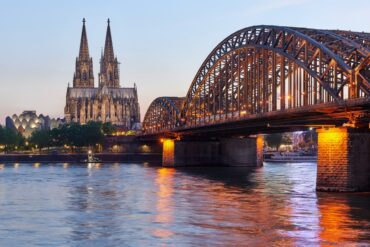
(84, 75)
(109, 73)
(106, 103)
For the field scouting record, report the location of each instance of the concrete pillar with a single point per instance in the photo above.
(227, 152)
(197, 153)
(242, 151)
(168, 154)
(343, 162)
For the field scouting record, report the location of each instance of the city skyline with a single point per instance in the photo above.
(160, 45)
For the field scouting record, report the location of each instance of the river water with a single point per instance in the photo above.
(142, 205)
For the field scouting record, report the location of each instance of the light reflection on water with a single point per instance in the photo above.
(137, 205)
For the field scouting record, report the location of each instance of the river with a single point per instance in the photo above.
(143, 205)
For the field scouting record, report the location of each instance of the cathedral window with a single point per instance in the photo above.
(110, 76)
(84, 76)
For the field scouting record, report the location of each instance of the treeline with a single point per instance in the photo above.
(71, 135)
(308, 140)
(10, 139)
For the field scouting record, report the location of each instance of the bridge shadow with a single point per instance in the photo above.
(240, 177)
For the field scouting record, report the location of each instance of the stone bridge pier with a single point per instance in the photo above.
(343, 162)
(223, 152)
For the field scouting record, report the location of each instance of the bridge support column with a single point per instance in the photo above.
(242, 151)
(227, 152)
(168, 153)
(343, 162)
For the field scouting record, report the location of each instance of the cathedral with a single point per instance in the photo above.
(109, 102)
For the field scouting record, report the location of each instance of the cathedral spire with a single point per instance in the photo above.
(108, 47)
(84, 47)
(109, 71)
(83, 76)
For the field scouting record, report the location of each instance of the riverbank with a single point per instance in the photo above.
(104, 157)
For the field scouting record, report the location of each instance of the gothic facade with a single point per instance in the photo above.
(109, 102)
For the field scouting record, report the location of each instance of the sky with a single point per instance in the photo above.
(160, 44)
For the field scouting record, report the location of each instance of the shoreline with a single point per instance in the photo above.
(78, 157)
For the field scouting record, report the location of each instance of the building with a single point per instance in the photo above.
(28, 122)
(109, 102)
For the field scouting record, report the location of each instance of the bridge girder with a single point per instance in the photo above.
(162, 114)
(262, 69)
(268, 68)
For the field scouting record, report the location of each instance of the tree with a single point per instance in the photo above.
(277, 139)
(41, 138)
(10, 139)
(93, 133)
(108, 128)
(274, 140)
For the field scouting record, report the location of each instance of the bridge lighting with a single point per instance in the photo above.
(311, 128)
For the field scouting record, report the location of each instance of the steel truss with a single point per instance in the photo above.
(262, 69)
(162, 114)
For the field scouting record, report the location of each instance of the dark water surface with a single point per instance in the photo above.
(140, 205)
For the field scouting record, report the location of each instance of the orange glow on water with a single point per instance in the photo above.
(164, 215)
(334, 223)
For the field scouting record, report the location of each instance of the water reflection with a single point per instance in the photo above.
(164, 207)
(136, 205)
(338, 216)
(94, 206)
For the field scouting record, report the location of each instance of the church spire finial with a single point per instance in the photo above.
(84, 47)
(108, 47)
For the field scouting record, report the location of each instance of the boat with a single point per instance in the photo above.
(91, 158)
(290, 157)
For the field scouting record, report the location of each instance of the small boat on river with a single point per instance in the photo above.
(91, 158)
(290, 157)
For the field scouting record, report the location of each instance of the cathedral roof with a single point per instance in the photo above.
(116, 93)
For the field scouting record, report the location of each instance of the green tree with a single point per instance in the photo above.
(41, 139)
(11, 139)
(93, 133)
(108, 128)
(274, 140)
(286, 139)
(277, 139)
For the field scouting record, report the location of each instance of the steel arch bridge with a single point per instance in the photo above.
(261, 70)
(162, 114)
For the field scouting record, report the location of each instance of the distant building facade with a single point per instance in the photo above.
(28, 122)
(108, 102)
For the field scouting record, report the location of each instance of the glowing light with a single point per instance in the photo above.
(168, 157)
(36, 165)
(16, 165)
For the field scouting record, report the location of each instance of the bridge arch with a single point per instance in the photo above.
(261, 69)
(162, 114)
